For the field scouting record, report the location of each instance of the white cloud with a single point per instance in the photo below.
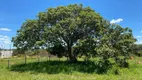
(113, 21)
(141, 32)
(5, 29)
(138, 36)
(5, 40)
(139, 42)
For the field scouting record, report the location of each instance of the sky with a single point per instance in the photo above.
(127, 13)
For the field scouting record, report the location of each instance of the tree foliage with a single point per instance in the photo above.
(74, 31)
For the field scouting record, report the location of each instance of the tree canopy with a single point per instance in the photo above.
(74, 31)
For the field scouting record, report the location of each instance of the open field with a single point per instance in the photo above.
(62, 70)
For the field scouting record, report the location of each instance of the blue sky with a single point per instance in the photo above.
(127, 13)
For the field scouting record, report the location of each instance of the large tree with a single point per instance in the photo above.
(76, 30)
(68, 24)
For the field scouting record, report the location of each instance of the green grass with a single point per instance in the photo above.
(62, 70)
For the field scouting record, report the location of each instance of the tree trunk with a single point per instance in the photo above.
(72, 58)
(59, 58)
(49, 57)
(25, 58)
(67, 58)
(38, 57)
(8, 63)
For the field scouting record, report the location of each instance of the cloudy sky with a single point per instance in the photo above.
(127, 13)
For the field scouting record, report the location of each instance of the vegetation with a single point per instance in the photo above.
(79, 45)
(56, 70)
(75, 31)
(94, 47)
(137, 49)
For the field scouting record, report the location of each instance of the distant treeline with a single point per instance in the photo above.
(137, 49)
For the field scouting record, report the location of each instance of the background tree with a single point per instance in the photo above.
(57, 50)
(115, 42)
(28, 36)
(137, 49)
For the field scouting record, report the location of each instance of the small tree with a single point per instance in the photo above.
(58, 50)
(116, 42)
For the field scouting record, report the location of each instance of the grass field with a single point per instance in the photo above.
(62, 70)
